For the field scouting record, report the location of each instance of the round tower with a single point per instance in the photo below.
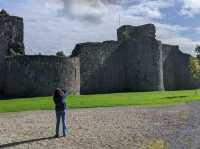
(11, 40)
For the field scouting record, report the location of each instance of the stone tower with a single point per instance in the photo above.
(143, 59)
(11, 40)
(133, 63)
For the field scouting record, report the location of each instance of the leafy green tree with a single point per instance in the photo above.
(194, 65)
(60, 53)
(197, 51)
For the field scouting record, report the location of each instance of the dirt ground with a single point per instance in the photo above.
(174, 127)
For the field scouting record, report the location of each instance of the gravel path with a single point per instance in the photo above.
(105, 128)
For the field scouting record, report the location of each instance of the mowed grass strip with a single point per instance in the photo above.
(103, 100)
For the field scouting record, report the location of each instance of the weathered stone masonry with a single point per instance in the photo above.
(23, 75)
(11, 36)
(136, 62)
(133, 63)
(177, 75)
(40, 75)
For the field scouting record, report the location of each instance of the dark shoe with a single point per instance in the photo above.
(56, 136)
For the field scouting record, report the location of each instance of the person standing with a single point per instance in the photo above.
(60, 108)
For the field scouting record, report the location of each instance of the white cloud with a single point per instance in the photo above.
(190, 7)
(55, 4)
(187, 45)
(171, 34)
(144, 11)
(150, 8)
(47, 32)
(85, 10)
(94, 10)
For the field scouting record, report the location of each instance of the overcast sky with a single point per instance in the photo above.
(53, 25)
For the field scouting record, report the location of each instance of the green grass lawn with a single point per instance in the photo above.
(102, 100)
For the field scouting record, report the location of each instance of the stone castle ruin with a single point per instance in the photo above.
(31, 75)
(136, 62)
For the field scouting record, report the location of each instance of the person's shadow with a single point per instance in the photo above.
(24, 142)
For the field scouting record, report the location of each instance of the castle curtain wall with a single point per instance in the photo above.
(101, 67)
(40, 75)
(143, 62)
(177, 75)
(136, 62)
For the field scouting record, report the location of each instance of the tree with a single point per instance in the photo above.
(197, 51)
(194, 65)
(60, 53)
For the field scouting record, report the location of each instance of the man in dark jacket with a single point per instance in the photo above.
(60, 107)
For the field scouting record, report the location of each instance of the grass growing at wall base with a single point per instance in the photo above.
(103, 100)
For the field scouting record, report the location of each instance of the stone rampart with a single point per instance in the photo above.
(98, 67)
(131, 64)
(136, 62)
(177, 75)
(40, 75)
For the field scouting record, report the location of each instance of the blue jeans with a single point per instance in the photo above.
(61, 115)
